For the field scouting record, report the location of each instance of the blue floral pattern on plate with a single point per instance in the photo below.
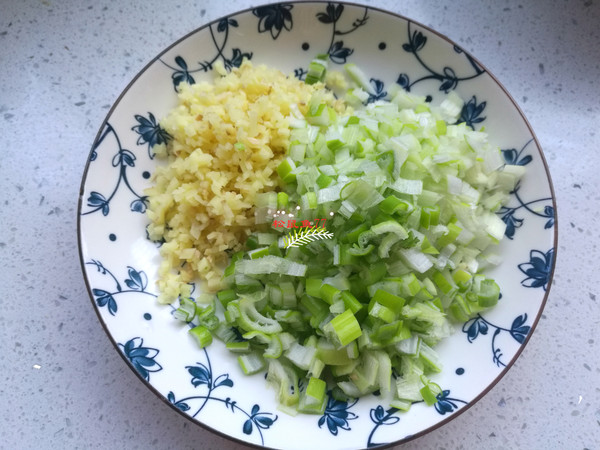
(386, 417)
(140, 357)
(509, 214)
(202, 376)
(337, 414)
(120, 263)
(480, 326)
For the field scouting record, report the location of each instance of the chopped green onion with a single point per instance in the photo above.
(411, 198)
(345, 327)
(202, 335)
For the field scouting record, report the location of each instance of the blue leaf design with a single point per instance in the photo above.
(112, 305)
(519, 320)
(416, 42)
(223, 380)
(274, 18)
(549, 212)
(100, 292)
(128, 158)
(471, 112)
(237, 59)
(137, 280)
(123, 157)
(263, 421)
(150, 131)
(377, 414)
(338, 53)
(332, 15)
(525, 160)
(182, 406)
(337, 415)
(445, 404)
(472, 330)
(222, 26)
(181, 76)
(104, 298)
(142, 358)
(404, 81)
(181, 62)
(512, 223)
(518, 330)
(200, 375)
(96, 199)
(474, 327)
(510, 155)
(247, 428)
(537, 269)
(139, 205)
(378, 89)
(449, 80)
(381, 417)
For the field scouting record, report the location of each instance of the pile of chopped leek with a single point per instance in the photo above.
(410, 196)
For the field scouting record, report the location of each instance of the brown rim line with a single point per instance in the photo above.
(383, 11)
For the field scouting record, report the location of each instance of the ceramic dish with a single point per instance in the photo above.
(120, 264)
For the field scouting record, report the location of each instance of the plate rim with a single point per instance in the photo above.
(143, 70)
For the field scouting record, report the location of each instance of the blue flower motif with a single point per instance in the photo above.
(139, 204)
(274, 18)
(404, 81)
(447, 77)
(332, 13)
(260, 419)
(104, 298)
(137, 279)
(549, 212)
(338, 53)
(449, 80)
(200, 375)
(123, 157)
(537, 269)
(142, 358)
(377, 89)
(183, 75)
(150, 132)
(336, 415)
(98, 201)
(445, 404)
(478, 325)
(474, 327)
(236, 59)
(415, 43)
(518, 330)
(225, 23)
(511, 156)
(382, 417)
(471, 112)
(300, 73)
(512, 222)
(181, 405)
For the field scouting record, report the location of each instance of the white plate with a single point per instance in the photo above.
(120, 264)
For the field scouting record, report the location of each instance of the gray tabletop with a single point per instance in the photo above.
(62, 384)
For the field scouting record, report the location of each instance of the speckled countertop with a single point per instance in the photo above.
(64, 63)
